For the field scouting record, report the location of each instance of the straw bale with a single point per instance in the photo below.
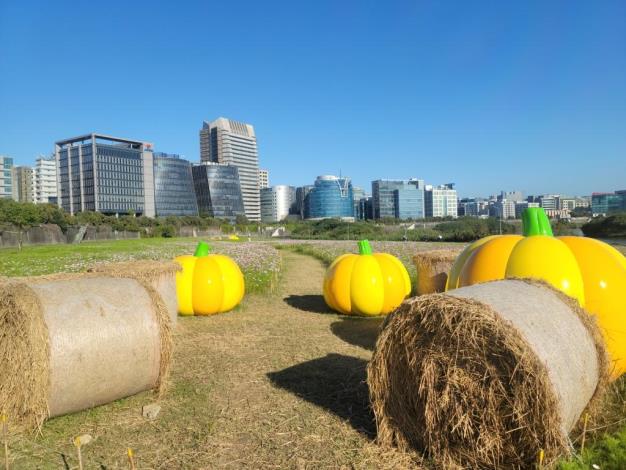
(71, 342)
(485, 376)
(432, 269)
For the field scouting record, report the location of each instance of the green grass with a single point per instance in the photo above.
(48, 259)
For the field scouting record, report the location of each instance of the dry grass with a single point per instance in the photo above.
(266, 386)
(24, 355)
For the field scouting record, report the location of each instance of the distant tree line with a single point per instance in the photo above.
(612, 226)
(461, 229)
(23, 215)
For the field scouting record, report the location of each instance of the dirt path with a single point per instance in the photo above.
(278, 383)
(288, 385)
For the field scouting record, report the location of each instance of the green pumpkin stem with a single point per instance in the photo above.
(364, 247)
(535, 222)
(202, 249)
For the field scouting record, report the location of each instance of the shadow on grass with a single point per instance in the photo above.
(362, 332)
(308, 303)
(335, 383)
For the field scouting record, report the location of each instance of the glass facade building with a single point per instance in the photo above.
(6, 177)
(409, 202)
(331, 197)
(383, 197)
(174, 192)
(105, 174)
(218, 190)
(302, 201)
(398, 199)
(607, 203)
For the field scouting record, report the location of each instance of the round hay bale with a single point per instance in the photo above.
(71, 344)
(157, 274)
(485, 376)
(432, 270)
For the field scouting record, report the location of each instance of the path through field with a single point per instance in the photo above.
(278, 383)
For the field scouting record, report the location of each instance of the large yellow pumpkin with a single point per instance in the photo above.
(366, 284)
(208, 284)
(588, 270)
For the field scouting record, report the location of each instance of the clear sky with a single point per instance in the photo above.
(527, 95)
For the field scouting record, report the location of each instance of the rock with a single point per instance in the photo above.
(151, 411)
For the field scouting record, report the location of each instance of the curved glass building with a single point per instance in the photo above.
(218, 190)
(173, 186)
(331, 196)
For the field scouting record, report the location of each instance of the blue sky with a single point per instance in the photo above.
(490, 95)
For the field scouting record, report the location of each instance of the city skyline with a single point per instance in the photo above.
(448, 92)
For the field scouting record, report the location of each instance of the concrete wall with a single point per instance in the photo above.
(50, 234)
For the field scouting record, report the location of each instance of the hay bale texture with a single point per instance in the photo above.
(486, 376)
(68, 344)
(432, 270)
(159, 275)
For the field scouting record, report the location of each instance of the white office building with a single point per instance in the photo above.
(440, 201)
(276, 202)
(505, 209)
(234, 143)
(44, 185)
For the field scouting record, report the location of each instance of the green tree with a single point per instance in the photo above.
(21, 215)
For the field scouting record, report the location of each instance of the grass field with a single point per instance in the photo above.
(278, 383)
(259, 261)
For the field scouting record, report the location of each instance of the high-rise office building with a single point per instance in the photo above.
(302, 201)
(441, 201)
(22, 183)
(174, 192)
(398, 199)
(357, 195)
(409, 202)
(549, 202)
(505, 209)
(264, 179)
(45, 181)
(331, 197)
(365, 209)
(276, 202)
(607, 203)
(234, 143)
(383, 197)
(218, 190)
(105, 174)
(6, 177)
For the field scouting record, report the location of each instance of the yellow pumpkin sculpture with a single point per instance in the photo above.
(208, 284)
(366, 284)
(588, 270)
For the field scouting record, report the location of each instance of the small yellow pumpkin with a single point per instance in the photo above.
(588, 270)
(208, 284)
(366, 284)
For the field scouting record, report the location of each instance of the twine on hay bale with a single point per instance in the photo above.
(432, 270)
(485, 376)
(79, 341)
